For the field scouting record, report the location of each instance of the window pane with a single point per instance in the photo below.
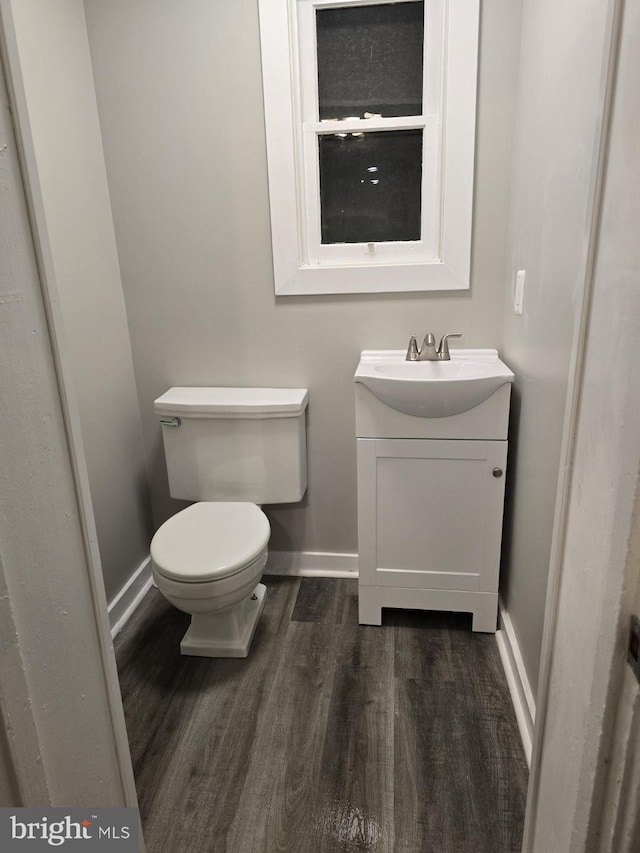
(370, 60)
(370, 186)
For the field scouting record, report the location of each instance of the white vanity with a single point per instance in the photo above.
(432, 454)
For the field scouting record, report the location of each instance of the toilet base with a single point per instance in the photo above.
(225, 633)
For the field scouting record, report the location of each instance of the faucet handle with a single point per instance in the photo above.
(443, 347)
(412, 350)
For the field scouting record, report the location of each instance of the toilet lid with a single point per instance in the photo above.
(209, 540)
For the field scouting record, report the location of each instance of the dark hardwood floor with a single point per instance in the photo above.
(328, 737)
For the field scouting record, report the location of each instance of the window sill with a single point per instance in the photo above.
(366, 278)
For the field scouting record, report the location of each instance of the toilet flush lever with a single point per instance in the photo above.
(172, 422)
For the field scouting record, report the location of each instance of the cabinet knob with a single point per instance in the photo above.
(497, 472)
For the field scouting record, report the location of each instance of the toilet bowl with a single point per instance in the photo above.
(207, 560)
(229, 449)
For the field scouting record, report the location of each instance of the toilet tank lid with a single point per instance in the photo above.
(233, 402)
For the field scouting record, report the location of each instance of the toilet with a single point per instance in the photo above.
(231, 450)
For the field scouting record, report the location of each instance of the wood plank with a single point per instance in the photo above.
(277, 807)
(423, 642)
(319, 601)
(354, 808)
(460, 770)
(361, 646)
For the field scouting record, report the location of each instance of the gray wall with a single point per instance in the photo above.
(63, 114)
(558, 119)
(180, 102)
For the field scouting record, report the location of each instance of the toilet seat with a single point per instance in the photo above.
(210, 541)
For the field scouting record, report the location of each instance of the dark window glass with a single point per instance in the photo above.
(370, 60)
(370, 186)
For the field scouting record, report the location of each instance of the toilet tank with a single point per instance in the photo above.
(235, 444)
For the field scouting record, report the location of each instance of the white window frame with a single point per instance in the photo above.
(441, 259)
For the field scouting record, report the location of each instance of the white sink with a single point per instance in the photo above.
(432, 389)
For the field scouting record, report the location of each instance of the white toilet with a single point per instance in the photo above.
(230, 449)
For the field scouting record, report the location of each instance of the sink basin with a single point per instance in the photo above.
(432, 389)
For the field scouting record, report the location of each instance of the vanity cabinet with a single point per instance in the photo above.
(430, 508)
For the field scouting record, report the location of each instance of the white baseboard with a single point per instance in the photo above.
(312, 564)
(129, 597)
(519, 687)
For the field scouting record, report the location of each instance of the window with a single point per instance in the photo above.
(370, 123)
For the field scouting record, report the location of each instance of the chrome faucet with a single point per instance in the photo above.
(428, 351)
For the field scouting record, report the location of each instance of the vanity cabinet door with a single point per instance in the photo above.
(430, 513)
